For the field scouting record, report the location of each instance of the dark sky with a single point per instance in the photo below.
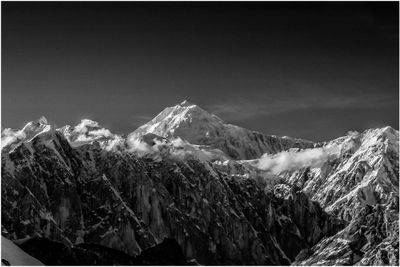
(309, 70)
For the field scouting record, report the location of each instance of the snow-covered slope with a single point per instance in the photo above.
(189, 176)
(192, 123)
(11, 138)
(366, 172)
(12, 255)
(361, 187)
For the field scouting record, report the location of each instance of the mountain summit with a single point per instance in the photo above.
(185, 103)
(197, 126)
(185, 120)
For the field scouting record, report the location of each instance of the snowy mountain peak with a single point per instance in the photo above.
(42, 120)
(36, 124)
(185, 103)
(11, 137)
(185, 118)
(191, 111)
(194, 124)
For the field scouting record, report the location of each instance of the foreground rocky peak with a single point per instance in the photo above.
(366, 172)
(360, 187)
(10, 138)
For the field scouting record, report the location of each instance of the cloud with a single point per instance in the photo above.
(82, 127)
(83, 138)
(89, 131)
(353, 133)
(139, 147)
(175, 148)
(9, 136)
(157, 147)
(116, 143)
(292, 160)
(101, 132)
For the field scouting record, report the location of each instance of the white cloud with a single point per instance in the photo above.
(353, 133)
(139, 147)
(101, 132)
(82, 126)
(115, 143)
(9, 136)
(175, 148)
(83, 138)
(291, 160)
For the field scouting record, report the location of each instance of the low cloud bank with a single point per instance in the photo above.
(292, 160)
(176, 148)
(313, 157)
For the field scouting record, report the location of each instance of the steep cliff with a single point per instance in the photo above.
(360, 187)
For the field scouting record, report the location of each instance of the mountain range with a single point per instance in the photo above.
(188, 188)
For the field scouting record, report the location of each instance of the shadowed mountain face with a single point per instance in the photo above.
(176, 185)
(168, 252)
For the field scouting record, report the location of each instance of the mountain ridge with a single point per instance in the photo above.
(85, 184)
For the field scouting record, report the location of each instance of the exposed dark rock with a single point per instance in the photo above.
(5, 262)
(167, 252)
(50, 252)
(370, 239)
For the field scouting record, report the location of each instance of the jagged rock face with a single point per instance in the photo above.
(87, 194)
(372, 238)
(192, 123)
(90, 190)
(365, 175)
(45, 190)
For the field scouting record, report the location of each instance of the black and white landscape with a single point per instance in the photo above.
(83, 195)
(221, 178)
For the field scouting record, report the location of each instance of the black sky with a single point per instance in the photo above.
(309, 70)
